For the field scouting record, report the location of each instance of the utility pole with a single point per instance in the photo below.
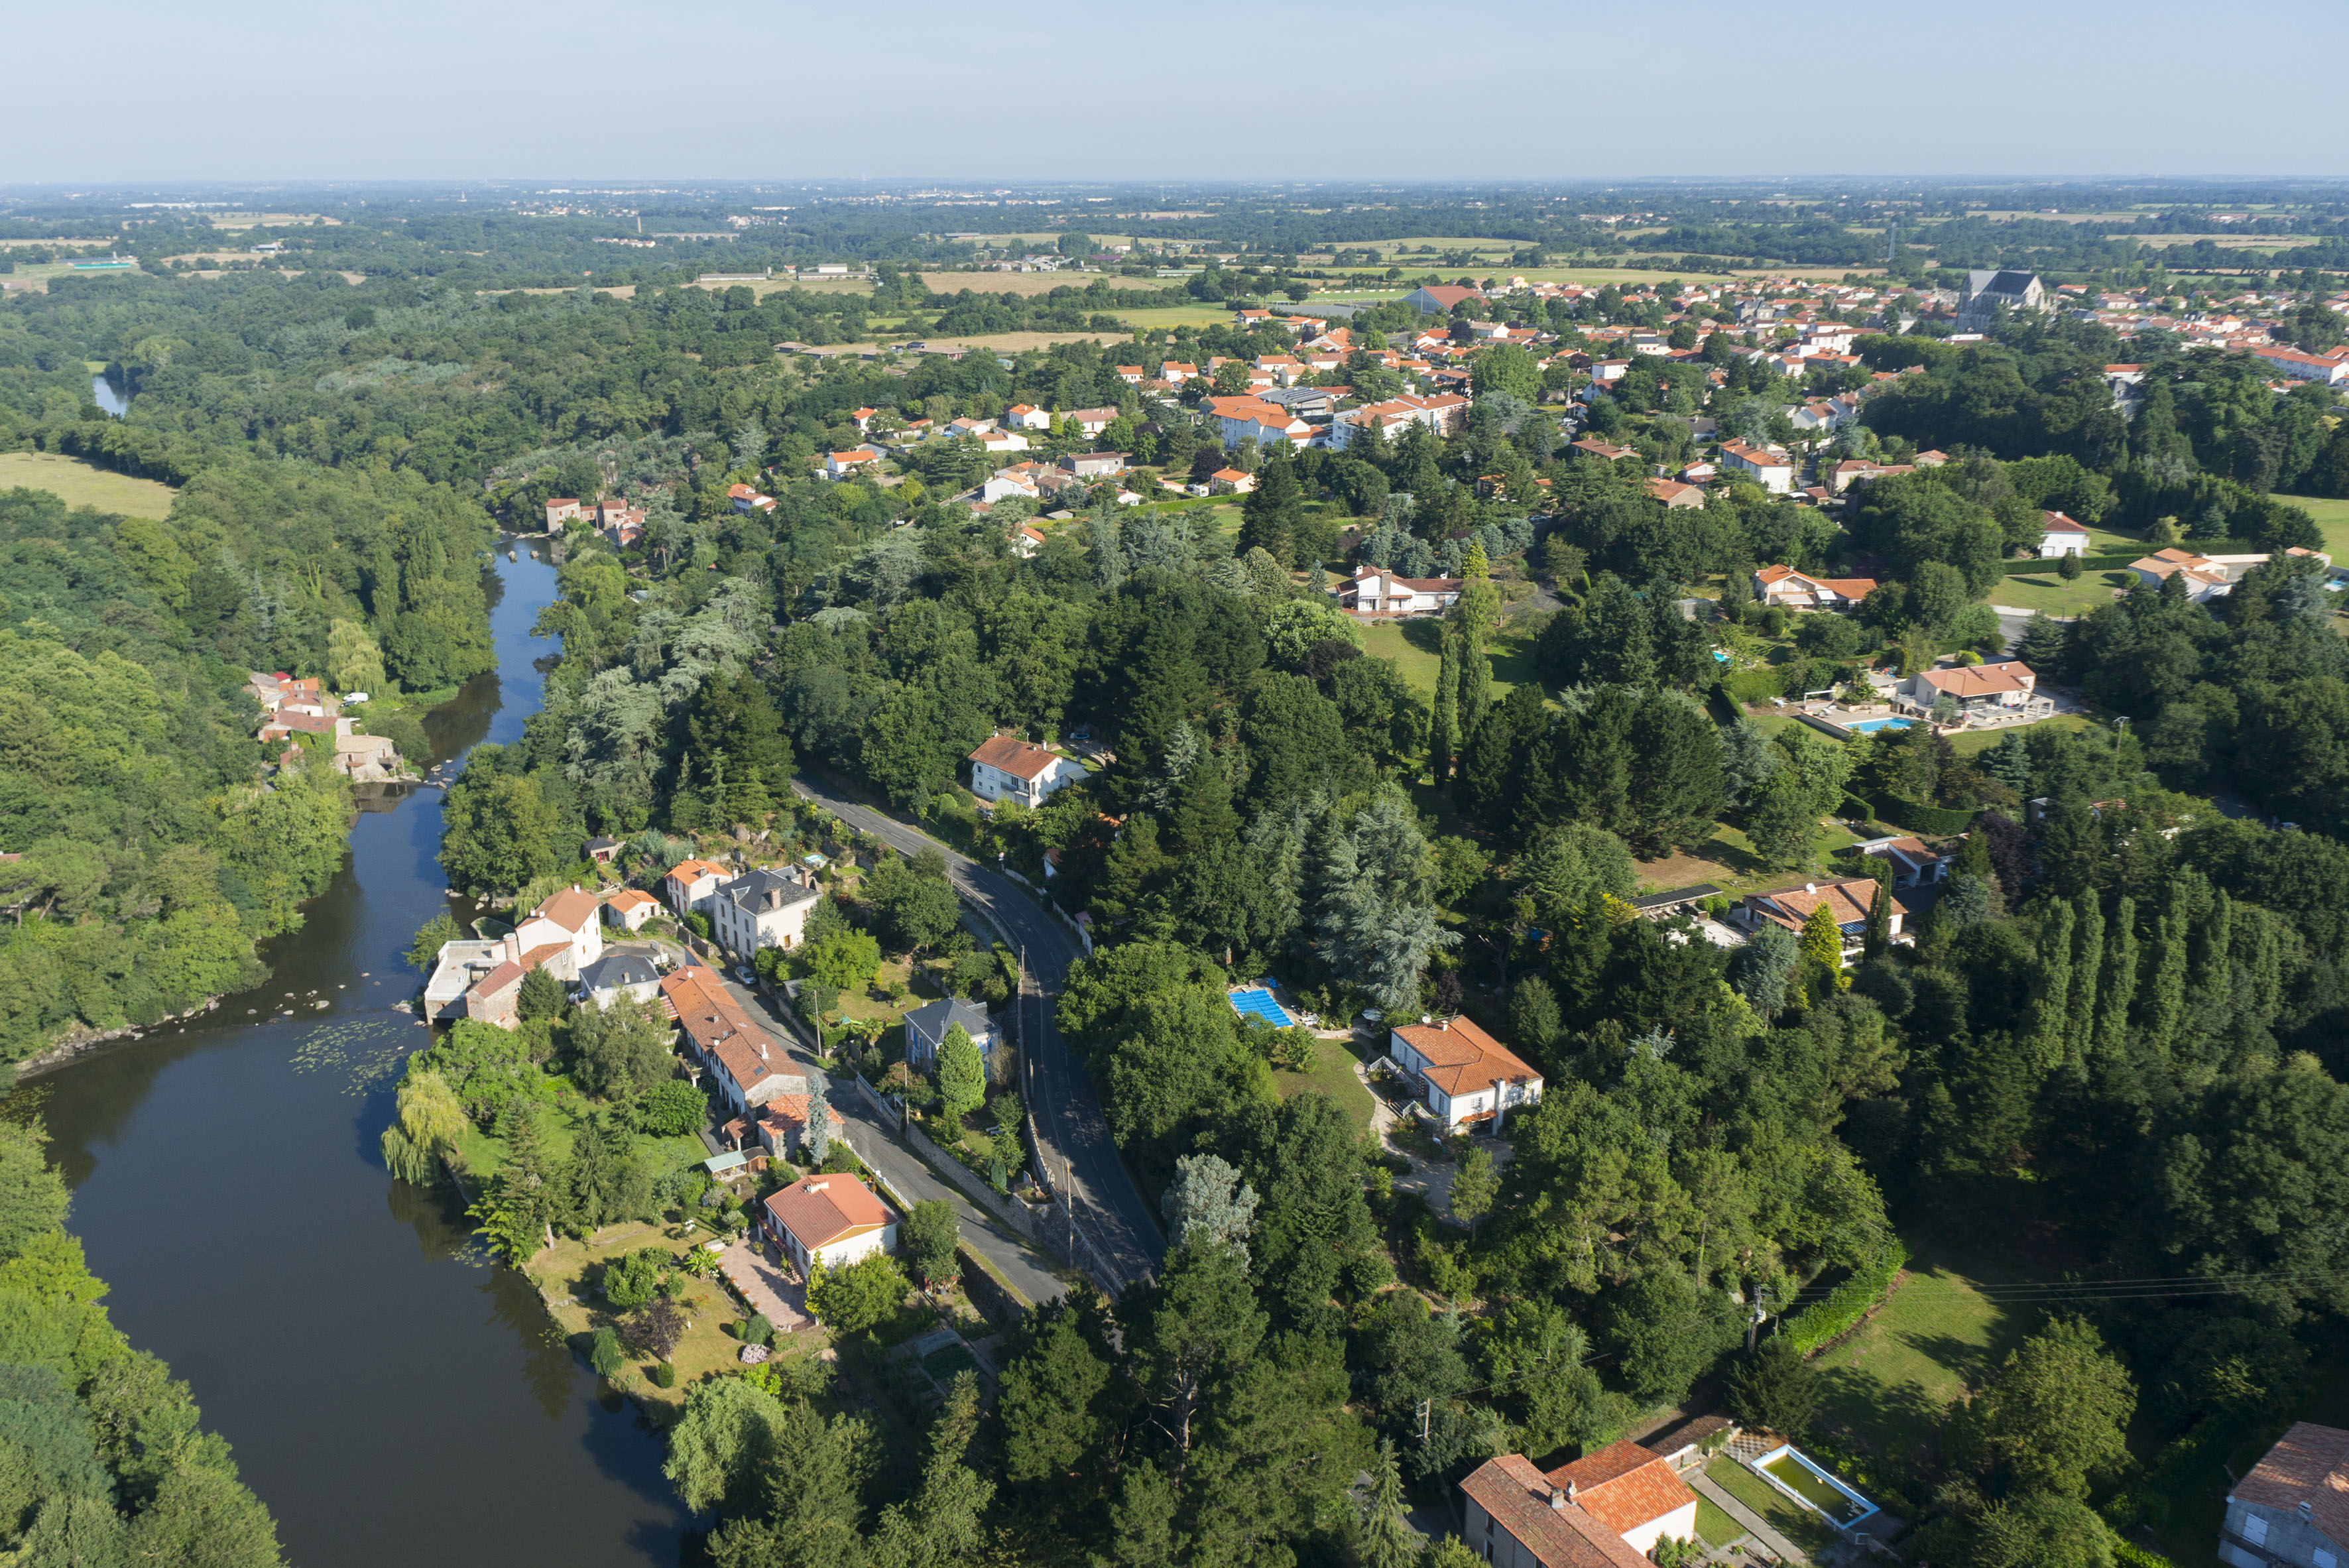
(1425, 1405)
(1753, 1321)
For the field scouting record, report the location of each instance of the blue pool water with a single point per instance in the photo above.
(1260, 1004)
(1871, 725)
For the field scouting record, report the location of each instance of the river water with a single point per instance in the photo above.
(394, 1398)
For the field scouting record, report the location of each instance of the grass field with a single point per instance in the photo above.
(1966, 743)
(1333, 1075)
(1412, 644)
(1800, 1525)
(1036, 283)
(2331, 517)
(2050, 594)
(80, 484)
(1714, 1527)
(1886, 1387)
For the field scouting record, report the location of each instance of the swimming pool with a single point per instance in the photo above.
(1259, 1003)
(1871, 725)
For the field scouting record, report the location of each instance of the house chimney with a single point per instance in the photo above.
(1810, 887)
(1500, 1099)
(1557, 1498)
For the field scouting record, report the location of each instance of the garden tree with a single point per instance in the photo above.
(1444, 737)
(608, 1180)
(1645, 765)
(2056, 1416)
(1535, 1352)
(1271, 515)
(845, 960)
(1534, 1015)
(913, 904)
(722, 1443)
(940, 1525)
(1486, 785)
(817, 1139)
(1764, 967)
(1313, 1225)
(859, 1297)
(632, 1278)
(1474, 1187)
(2235, 1153)
(1295, 738)
(1374, 906)
(424, 953)
(1505, 367)
(1567, 868)
(2040, 1530)
(604, 1357)
(623, 1048)
(929, 1236)
(517, 1209)
(736, 718)
(1474, 617)
(422, 1140)
(1667, 1330)
(1296, 627)
(1414, 1357)
(1780, 821)
(1822, 944)
(1058, 1402)
(814, 1472)
(1207, 1202)
(541, 996)
(1775, 1389)
(962, 1076)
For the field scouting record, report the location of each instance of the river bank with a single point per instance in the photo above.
(392, 1396)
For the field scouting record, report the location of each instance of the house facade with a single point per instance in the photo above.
(2063, 537)
(1847, 901)
(1006, 767)
(1988, 291)
(1773, 471)
(481, 979)
(747, 1066)
(763, 909)
(1374, 592)
(2207, 577)
(926, 1026)
(1914, 862)
(693, 884)
(619, 975)
(834, 1221)
(629, 910)
(2293, 1506)
(1466, 1077)
(1977, 689)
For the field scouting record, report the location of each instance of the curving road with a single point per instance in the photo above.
(1124, 1242)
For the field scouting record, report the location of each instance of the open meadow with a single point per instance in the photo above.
(78, 484)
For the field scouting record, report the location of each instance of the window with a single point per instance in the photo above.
(2255, 1529)
(2325, 1559)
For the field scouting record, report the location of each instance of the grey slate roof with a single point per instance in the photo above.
(936, 1018)
(614, 970)
(749, 892)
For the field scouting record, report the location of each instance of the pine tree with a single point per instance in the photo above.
(2119, 986)
(817, 1139)
(1270, 516)
(1203, 812)
(1879, 908)
(1823, 941)
(1388, 1539)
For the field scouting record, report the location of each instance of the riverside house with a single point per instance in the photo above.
(481, 979)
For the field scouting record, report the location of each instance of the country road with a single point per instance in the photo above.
(1110, 1213)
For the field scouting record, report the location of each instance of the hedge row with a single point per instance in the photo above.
(2087, 563)
(1918, 817)
(1842, 1308)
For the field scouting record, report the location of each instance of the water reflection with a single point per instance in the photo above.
(108, 394)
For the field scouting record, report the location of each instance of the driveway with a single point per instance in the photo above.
(1083, 1162)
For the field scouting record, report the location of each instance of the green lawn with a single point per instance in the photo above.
(2050, 594)
(82, 484)
(1886, 1387)
(1413, 646)
(1333, 1075)
(2332, 516)
(1727, 860)
(1714, 1527)
(1800, 1525)
(1967, 743)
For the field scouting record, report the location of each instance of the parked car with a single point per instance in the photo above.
(745, 974)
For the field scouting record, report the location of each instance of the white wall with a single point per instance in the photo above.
(1679, 1524)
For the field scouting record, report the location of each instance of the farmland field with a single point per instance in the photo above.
(80, 484)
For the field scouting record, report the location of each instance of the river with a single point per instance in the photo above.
(393, 1398)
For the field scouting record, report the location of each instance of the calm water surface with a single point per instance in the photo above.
(392, 1398)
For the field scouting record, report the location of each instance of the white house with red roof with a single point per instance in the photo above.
(841, 464)
(1465, 1076)
(1847, 901)
(1975, 688)
(1773, 471)
(481, 978)
(1373, 591)
(2293, 1506)
(2061, 537)
(1605, 1510)
(1006, 767)
(1783, 585)
(1249, 418)
(692, 884)
(834, 1221)
(1026, 417)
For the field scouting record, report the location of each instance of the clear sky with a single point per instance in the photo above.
(1210, 90)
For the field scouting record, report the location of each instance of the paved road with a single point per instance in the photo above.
(1028, 1271)
(1110, 1213)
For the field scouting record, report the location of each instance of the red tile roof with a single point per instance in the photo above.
(571, 909)
(2309, 1464)
(821, 1210)
(1623, 1486)
(1518, 1497)
(1010, 754)
(1460, 1056)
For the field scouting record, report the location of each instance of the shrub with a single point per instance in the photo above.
(665, 1375)
(630, 1280)
(671, 1109)
(1842, 1308)
(757, 1330)
(604, 1353)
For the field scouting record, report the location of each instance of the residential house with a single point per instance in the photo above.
(1773, 470)
(2207, 577)
(1914, 862)
(1988, 291)
(1975, 688)
(691, 884)
(926, 1026)
(2063, 537)
(1605, 451)
(1847, 901)
(1175, 372)
(568, 923)
(783, 1125)
(603, 851)
(629, 909)
(1095, 465)
(1092, 421)
(1675, 495)
(2293, 1506)
(1375, 592)
(1026, 417)
(1438, 299)
(763, 909)
(842, 465)
(1027, 541)
(1130, 374)
(1249, 419)
(1466, 1077)
(747, 1066)
(1007, 767)
(1002, 441)
(1443, 413)
(745, 499)
(2333, 369)
(1230, 481)
(1605, 1510)
(618, 975)
(481, 978)
(833, 1221)
(562, 510)
(1800, 591)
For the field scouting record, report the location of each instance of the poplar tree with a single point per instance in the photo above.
(1446, 734)
(2087, 964)
(2164, 1003)
(2119, 986)
(2052, 1011)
